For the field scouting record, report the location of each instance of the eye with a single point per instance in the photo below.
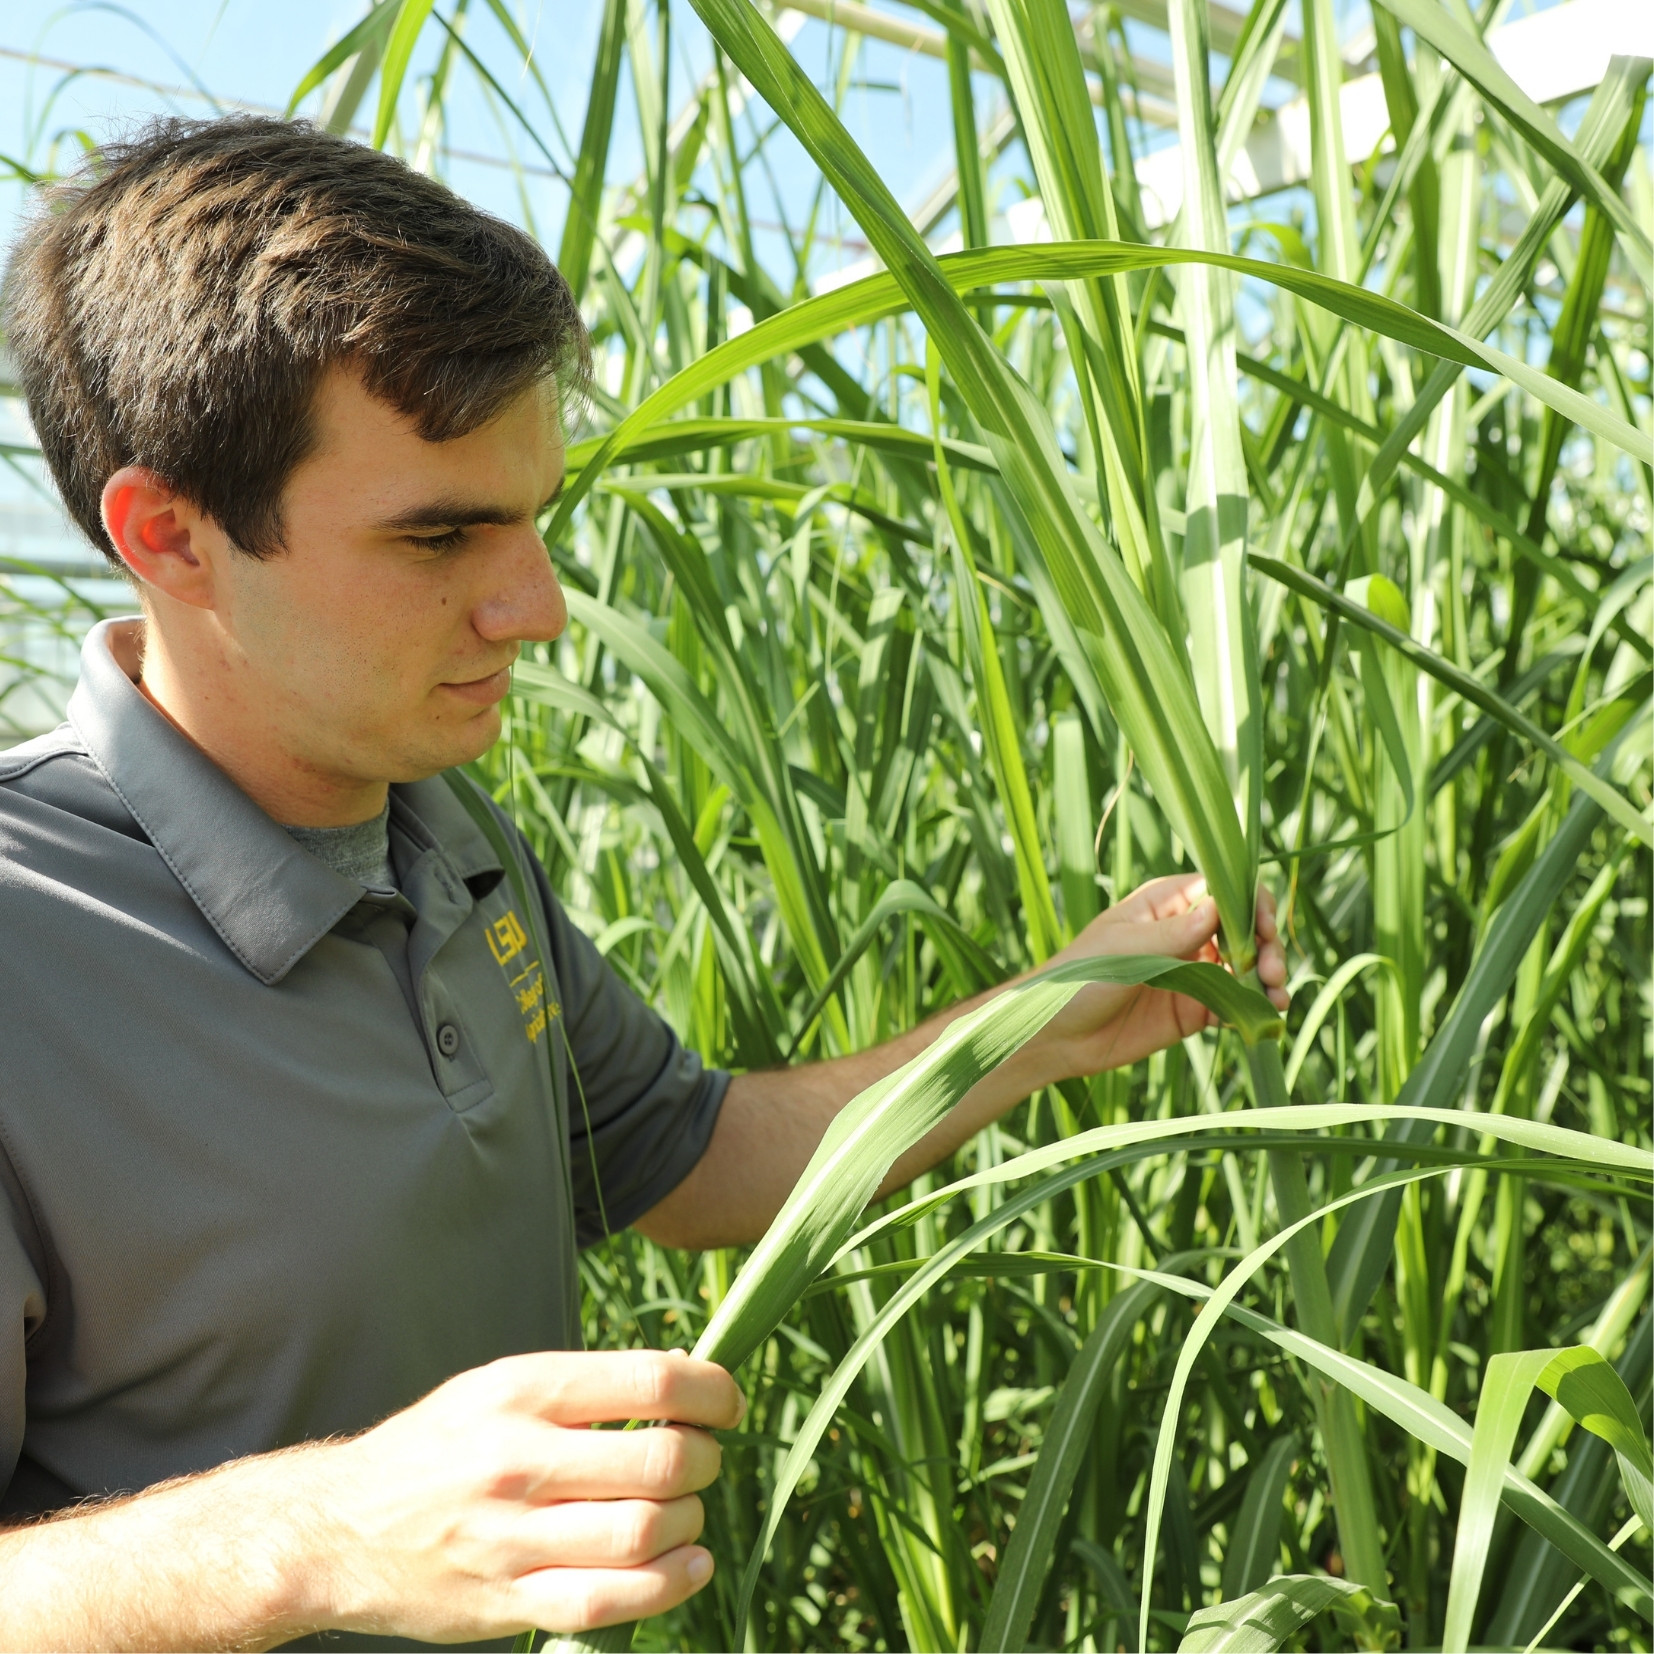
(448, 540)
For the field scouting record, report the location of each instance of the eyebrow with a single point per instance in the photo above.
(453, 512)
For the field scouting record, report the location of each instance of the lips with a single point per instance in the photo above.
(483, 691)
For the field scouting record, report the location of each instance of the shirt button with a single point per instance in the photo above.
(447, 1039)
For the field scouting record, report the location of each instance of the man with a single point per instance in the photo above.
(290, 1186)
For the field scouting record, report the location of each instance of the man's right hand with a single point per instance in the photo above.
(488, 1507)
(492, 1505)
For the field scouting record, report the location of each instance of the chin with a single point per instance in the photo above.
(447, 748)
(473, 738)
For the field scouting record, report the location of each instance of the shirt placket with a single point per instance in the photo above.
(441, 905)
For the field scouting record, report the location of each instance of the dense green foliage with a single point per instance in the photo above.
(845, 728)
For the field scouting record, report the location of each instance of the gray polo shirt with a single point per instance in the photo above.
(278, 1155)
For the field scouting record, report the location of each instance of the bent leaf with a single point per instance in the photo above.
(1584, 1383)
(1261, 1621)
(873, 1130)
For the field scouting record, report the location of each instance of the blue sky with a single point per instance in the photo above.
(256, 52)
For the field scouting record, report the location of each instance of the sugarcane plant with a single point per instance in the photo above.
(914, 618)
(1142, 564)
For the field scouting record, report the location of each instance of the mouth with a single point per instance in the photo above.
(484, 691)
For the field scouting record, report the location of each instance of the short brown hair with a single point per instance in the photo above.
(174, 303)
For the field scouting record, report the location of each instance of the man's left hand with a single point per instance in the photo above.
(1104, 1026)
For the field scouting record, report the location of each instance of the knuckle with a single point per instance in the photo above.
(664, 1459)
(586, 1605)
(501, 1464)
(652, 1378)
(637, 1532)
(500, 1385)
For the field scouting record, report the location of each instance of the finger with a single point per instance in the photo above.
(1268, 928)
(610, 1386)
(1182, 935)
(1173, 894)
(1160, 898)
(1190, 1016)
(1272, 964)
(607, 1533)
(665, 1462)
(584, 1599)
(1189, 933)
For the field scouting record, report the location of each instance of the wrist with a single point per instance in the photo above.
(303, 1538)
(268, 1519)
(1045, 1060)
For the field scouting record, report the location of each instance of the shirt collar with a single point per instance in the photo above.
(269, 901)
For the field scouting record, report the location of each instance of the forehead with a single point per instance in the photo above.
(519, 450)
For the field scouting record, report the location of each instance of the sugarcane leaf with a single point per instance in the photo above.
(1436, 1425)
(1255, 1535)
(1068, 1434)
(1506, 1385)
(1076, 807)
(1384, 599)
(1262, 1620)
(399, 44)
(871, 1132)
(365, 37)
(932, 1269)
(901, 896)
(1467, 499)
(874, 297)
(1596, 1398)
(1478, 65)
(1331, 992)
(1220, 1300)
(1364, 1246)
(1614, 105)
(1608, 796)
(1542, 1137)
(1213, 575)
(671, 685)
(693, 436)
(574, 253)
(1583, 1382)
(1001, 740)
(1143, 676)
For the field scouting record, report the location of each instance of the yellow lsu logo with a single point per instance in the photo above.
(507, 938)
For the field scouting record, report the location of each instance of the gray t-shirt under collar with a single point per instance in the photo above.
(361, 851)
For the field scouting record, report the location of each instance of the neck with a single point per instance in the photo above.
(205, 688)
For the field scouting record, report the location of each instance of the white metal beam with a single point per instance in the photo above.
(1551, 55)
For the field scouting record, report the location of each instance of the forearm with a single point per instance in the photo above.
(210, 1561)
(773, 1119)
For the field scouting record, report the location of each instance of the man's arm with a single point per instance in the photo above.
(488, 1507)
(773, 1119)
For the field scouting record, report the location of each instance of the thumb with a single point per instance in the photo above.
(1184, 934)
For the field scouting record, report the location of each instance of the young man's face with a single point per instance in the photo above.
(380, 639)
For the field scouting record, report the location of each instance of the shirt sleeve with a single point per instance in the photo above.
(641, 1105)
(22, 1308)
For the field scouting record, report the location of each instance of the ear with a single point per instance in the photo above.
(166, 541)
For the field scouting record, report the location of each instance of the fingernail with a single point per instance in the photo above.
(699, 1568)
(740, 1409)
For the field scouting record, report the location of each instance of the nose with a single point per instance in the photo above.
(524, 602)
